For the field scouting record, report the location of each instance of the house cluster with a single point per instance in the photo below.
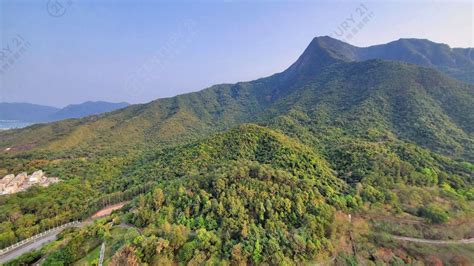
(10, 184)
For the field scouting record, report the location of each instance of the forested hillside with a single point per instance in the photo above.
(260, 171)
(414, 103)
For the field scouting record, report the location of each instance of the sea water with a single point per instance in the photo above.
(9, 124)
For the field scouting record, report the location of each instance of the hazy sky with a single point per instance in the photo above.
(63, 52)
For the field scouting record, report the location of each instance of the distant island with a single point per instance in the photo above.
(18, 115)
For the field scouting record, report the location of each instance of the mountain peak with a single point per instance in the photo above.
(326, 40)
(325, 50)
(321, 52)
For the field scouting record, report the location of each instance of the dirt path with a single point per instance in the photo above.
(391, 219)
(435, 242)
(108, 210)
(407, 220)
(418, 240)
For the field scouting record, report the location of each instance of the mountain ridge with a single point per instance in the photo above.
(456, 62)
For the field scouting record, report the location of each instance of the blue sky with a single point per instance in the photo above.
(137, 51)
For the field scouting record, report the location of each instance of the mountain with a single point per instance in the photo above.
(25, 111)
(456, 62)
(265, 171)
(414, 103)
(33, 113)
(85, 109)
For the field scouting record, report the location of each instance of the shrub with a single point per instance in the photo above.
(434, 214)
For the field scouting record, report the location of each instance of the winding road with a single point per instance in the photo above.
(51, 236)
(417, 240)
(38, 243)
(434, 242)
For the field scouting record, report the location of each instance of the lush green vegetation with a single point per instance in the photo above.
(327, 137)
(26, 214)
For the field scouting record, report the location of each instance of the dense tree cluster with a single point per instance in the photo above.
(245, 212)
(26, 214)
(248, 195)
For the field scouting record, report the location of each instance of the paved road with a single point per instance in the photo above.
(435, 242)
(38, 243)
(29, 247)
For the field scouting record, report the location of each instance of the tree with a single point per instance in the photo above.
(257, 252)
(126, 256)
(158, 198)
(238, 255)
